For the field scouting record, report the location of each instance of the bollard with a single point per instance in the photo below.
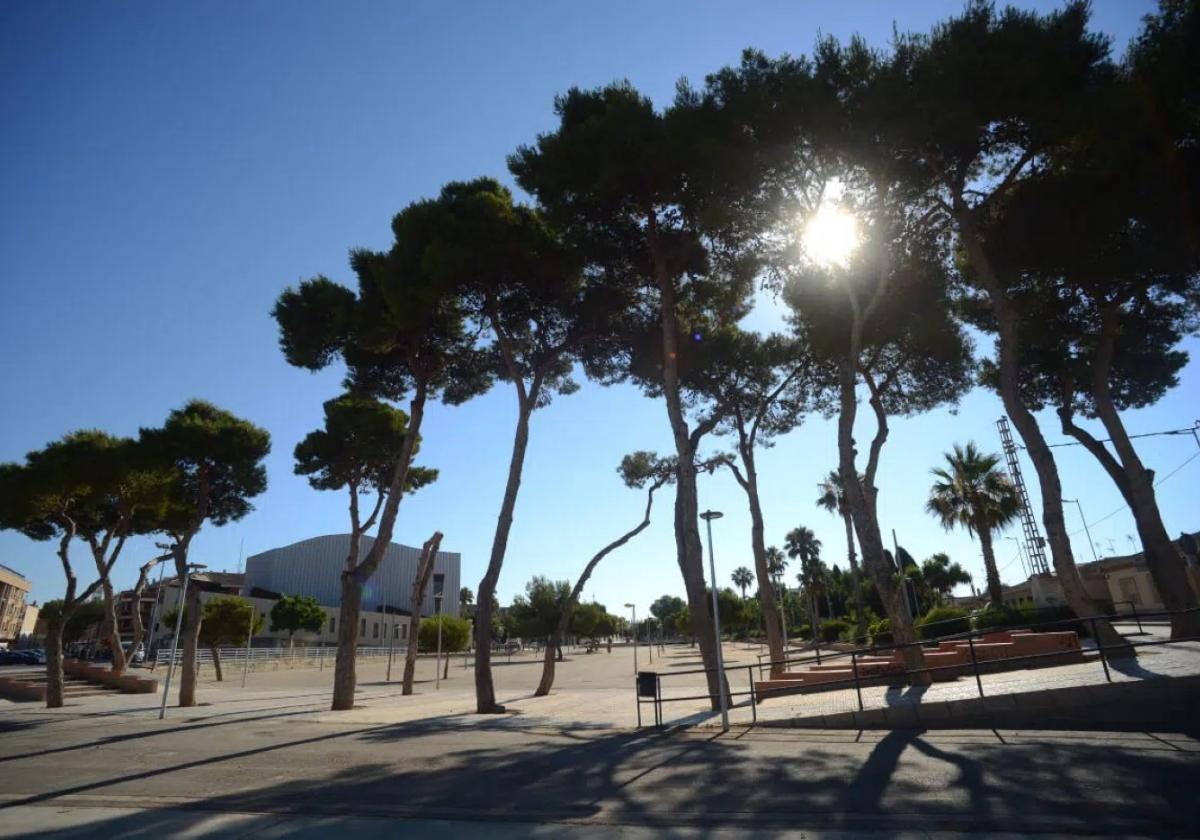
(975, 665)
(753, 697)
(1100, 645)
(857, 685)
(1136, 617)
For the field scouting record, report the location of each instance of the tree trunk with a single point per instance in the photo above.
(485, 690)
(216, 656)
(344, 676)
(110, 624)
(1165, 562)
(547, 666)
(1008, 345)
(424, 572)
(855, 580)
(766, 592)
(547, 680)
(866, 525)
(995, 589)
(189, 668)
(54, 659)
(139, 628)
(689, 551)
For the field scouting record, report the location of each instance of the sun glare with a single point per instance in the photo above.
(831, 236)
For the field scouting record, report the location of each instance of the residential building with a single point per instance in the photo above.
(14, 587)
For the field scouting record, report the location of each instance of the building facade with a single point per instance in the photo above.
(314, 567)
(14, 587)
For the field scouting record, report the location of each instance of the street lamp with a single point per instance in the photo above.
(437, 665)
(633, 632)
(191, 567)
(708, 516)
(1085, 528)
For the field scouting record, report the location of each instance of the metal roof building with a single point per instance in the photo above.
(314, 567)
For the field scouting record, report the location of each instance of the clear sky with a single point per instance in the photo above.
(166, 169)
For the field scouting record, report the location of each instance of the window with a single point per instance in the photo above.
(1129, 589)
(395, 631)
(404, 632)
(375, 630)
(333, 625)
(363, 629)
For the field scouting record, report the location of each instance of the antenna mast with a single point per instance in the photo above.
(1034, 544)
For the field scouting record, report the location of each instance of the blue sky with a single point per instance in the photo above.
(167, 169)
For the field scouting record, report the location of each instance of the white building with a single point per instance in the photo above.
(314, 567)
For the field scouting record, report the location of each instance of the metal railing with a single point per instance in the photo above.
(648, 685)
(276, 655)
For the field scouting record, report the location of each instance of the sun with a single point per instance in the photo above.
(831, 236)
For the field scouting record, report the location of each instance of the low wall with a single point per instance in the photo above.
(101, 675)
(1161, 704)
(16, 689)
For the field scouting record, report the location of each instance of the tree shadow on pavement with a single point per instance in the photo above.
(905, 781)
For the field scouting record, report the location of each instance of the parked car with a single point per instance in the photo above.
(139, 654)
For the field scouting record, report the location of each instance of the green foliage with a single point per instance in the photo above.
(216, 458)
(833, 629)
(292, 613)
(87, 614)
(1026, 616)
(683, 622)
(742, 577)
(226, 620)
(943, 621)
(358, 447)
(667, 607)
(972, 491)
(591, 621)
(536, 613)
(941, 575)
(456, 633)
(881, 632)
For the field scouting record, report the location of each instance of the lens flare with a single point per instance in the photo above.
(831, 236)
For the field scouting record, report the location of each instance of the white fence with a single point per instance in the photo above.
(276, 657)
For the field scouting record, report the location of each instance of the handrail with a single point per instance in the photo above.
(973, 633)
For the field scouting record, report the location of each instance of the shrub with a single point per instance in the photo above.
(943, 621)
(833, 629)
(1003, 618)
(881, 632)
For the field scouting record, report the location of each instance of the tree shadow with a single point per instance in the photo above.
(691, 778)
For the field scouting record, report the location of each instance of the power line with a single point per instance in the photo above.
(1188, 431)
(1107, 516)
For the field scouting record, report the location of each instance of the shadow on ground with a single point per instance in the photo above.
(757, 778)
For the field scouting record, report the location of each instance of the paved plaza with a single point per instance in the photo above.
(271, 759)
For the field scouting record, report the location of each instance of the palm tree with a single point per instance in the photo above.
(742, 577)
(801, 542)
(971, 491)
(776, 564)
(833, 499)
(942, 576)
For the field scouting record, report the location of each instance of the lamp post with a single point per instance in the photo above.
(437, 665)
(154, 612)
(391, 636)
(1088, 533)
(191, 567)
(708, 516)
(633, 632)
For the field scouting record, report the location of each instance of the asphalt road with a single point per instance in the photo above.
(278, 773)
